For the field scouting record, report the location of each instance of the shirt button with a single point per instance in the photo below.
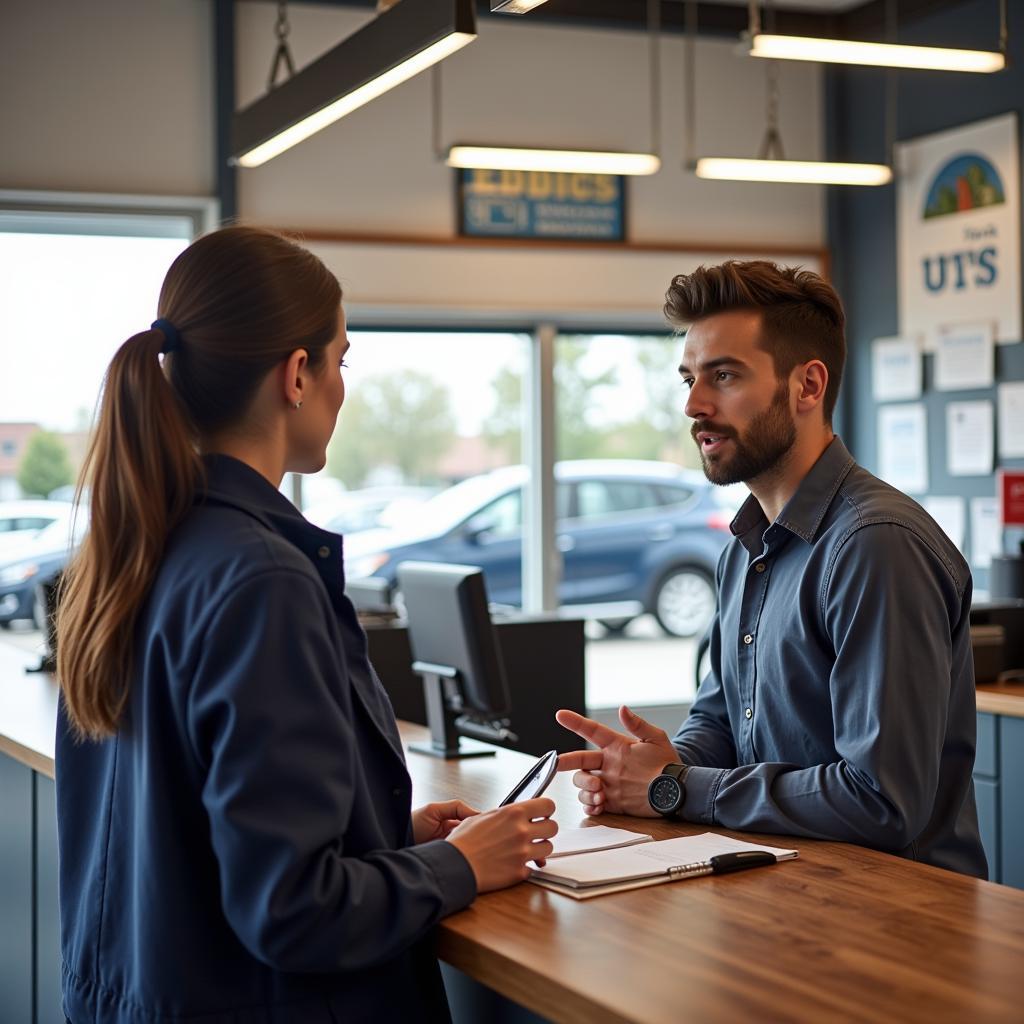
(324, 551)
(760, 567)
(748, 639)
(749, 713)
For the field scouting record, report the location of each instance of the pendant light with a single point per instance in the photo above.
(846, 51)
(771, 163)
(584, 161)
(397, 44)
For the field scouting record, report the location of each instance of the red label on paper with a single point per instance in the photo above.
(1011, 497)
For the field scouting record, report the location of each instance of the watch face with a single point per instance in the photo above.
(664, 794)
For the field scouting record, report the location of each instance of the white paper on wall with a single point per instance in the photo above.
(951, 514)
(970, 438)
(902, 447)
(965, 357)
(1011, 420)
(895, 369)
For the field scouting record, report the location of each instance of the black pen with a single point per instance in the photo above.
(723, 863)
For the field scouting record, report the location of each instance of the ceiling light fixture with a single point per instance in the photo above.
(398, 44)
(814, 172)
(845, 51)
(502, 158)
(514, 6)
(579, 161)
(771, 165)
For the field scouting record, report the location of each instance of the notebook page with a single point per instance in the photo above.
(594, 837)
(646, 859)
(701, 848)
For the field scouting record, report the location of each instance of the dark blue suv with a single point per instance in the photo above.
(634, 537)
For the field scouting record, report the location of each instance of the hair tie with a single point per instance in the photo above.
(172, 339)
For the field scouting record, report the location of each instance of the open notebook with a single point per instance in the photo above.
(590, 838)
(594, 874)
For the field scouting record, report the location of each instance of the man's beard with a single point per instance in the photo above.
(762, 448)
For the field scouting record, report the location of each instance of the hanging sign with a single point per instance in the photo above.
(541, 205)
(958, 195)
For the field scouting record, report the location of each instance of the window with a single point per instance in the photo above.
(502, 518)
(639, 528)
(77, 279)
(606, 497)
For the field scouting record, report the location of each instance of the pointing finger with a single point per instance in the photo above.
(598, 734)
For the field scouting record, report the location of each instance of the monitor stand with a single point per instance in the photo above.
(441, 717)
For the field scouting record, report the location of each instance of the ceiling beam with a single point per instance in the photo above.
(866, 21)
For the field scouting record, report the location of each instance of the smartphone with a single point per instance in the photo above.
(535, 781)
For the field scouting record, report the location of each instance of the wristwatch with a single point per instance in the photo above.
(667, 791)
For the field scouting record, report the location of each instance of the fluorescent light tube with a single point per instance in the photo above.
(842, 51)
(502, 158)
(796, 171)
(397, 45)
(514, 6)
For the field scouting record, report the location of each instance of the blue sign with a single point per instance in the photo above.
(542, 205)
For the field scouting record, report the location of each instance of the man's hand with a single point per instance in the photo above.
(437, 821)
(615, 777)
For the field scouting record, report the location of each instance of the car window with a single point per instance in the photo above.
(503, 517)
(31, 523)
(674, 494)
(606, 497)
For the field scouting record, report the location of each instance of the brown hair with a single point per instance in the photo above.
(801, 315)
(241, 299)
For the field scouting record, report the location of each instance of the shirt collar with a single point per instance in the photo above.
(804, 512)
(229, 481)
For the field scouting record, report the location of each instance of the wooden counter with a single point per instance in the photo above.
(28, 710)
(843, 933)
(1002, 699)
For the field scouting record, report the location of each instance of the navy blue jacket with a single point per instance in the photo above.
(241, 851)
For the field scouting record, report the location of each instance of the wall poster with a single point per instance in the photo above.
(958, 220)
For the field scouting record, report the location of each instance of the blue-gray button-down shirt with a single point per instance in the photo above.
(840, 703)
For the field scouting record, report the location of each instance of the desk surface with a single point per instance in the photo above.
(843, 933)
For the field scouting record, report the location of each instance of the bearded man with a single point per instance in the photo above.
(840, 702)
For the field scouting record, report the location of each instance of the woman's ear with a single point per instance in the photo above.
(294, 377)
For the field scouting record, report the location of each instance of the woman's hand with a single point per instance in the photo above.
(436, 821)
(499, 844)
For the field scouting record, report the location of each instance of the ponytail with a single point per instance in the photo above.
(233, 306)
(143, 467)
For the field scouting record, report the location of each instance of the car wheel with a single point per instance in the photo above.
(615, 627)
(684, 604)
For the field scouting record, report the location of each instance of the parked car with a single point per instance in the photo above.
(634, 537)
(20, 520)
(368, 508)
(38, 562)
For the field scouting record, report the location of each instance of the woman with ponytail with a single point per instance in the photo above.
(235, 831)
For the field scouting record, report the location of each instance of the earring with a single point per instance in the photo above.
(297, 405)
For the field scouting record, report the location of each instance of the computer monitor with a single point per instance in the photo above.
(370, 595)
(455, 650)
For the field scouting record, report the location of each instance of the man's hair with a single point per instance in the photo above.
(801, 315)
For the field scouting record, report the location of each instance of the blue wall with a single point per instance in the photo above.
(862, 221)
